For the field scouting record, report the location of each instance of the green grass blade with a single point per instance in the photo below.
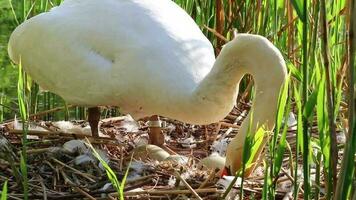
(295, 72)
(21, 92)
(109, 172)
(329, 95)
(13, 12)
(347, 175)
(282, 112)
(23, 169)
(123, 182)
(282, 102)
(299, 137)
(282, 144)
(310, 105)
(267, 181)
(4, 191)
(255, 146)
(299, 8)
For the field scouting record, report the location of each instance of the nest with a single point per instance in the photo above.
(60, 165)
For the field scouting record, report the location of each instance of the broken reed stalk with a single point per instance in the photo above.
(219, 23)
(89, 177)
(38, 114)
(210, 177)
(170, 192)
(87, 195)
(187, 185)
(216, 34)
(329, 95)
(68, 136)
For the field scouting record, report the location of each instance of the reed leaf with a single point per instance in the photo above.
(299, 8)
(347, 173)
(4, 191)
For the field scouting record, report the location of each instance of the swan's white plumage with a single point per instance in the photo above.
(115, 52)
(149, 58)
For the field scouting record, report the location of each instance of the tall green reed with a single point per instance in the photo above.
(23, 107)
(299, 138)
(305, 83)
(302, 11)
(347, 173)
(329, 96)
(277, 143)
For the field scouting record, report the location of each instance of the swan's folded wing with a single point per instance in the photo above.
(109, 47)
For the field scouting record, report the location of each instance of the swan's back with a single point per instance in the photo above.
(106, 52)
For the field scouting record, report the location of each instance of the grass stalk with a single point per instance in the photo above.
(266, 181)
(219, 22)
(329, 95)
(298, 140)
(23, 107)
(347, 173)
(305, 83)
(317, 177)
(276, 151)
(248, 144)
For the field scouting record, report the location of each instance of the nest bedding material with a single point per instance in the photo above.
(61, 166)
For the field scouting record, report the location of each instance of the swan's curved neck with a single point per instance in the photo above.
(217, 93)
(255, 55)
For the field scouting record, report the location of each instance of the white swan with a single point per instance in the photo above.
(149, 58)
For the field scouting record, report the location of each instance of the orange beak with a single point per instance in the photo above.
(225, 172)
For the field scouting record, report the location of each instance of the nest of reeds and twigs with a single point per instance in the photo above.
(60, 165)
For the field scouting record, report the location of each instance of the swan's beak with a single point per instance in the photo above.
(225, 172)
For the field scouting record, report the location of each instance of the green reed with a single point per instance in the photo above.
(119, 187)
(4, 192)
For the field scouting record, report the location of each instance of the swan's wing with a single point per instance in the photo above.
(112, 46)
(54, 57)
